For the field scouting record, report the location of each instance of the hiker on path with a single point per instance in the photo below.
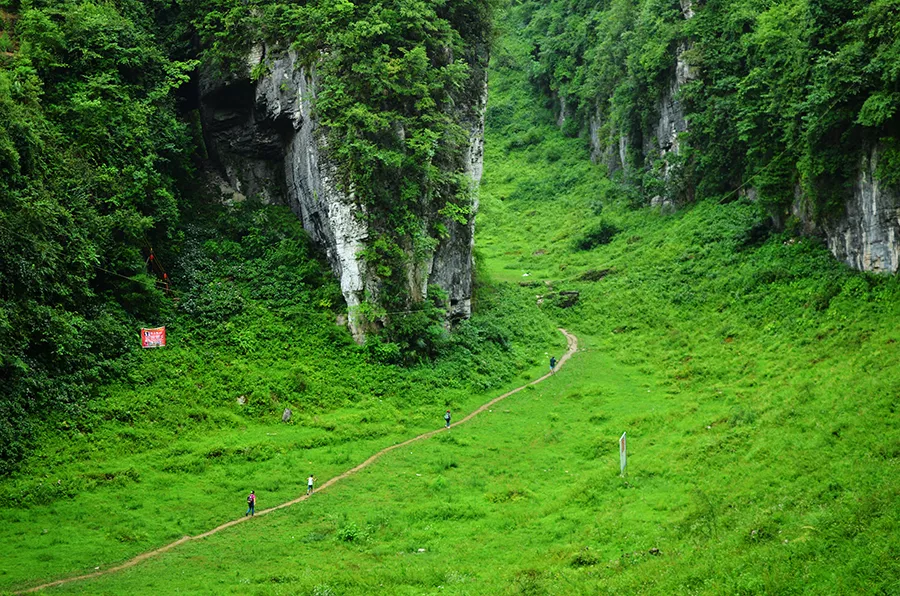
(447, 418)
(552, 364)
(251, 504)
(309, 484)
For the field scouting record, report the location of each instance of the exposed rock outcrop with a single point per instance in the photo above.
(867, 236)
(663, 144)
(671, 121)
(452, 265)
(266, 142)
(610, 146)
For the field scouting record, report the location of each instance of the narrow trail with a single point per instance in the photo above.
(572, 348)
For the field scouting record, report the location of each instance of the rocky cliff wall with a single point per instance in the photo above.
(610, 146)
(452, 266)
(867, 235)
(651, 156)
(264, 140)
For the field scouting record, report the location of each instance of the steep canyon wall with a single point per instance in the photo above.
(265, 141)
(864, 233)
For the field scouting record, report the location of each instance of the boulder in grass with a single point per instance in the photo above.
(287, 415)
(568, 299)
(595, 274)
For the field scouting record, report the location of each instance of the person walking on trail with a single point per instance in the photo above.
(447, 418)
(552, 364)
(309, 484)
(251, 504)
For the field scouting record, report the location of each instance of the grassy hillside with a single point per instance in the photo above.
(174, 448)
(102, 155)
(756, 377)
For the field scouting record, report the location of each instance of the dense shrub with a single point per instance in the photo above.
(90, 154)
(602, 233)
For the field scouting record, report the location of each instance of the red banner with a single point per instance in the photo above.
(153, 338)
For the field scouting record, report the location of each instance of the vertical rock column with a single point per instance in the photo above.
(333, 219)
(610, 146)
(452, 266)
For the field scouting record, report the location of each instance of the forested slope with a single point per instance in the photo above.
(103, 164)
(791, 102)
(91, 158)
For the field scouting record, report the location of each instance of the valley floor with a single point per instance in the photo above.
(757, 380)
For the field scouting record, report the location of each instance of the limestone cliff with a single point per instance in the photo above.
(867, 235)
(747, 106)
(265, 141)
(660, 140)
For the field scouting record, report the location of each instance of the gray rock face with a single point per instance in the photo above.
(671, 121)
(610, 146)
(867, 237)
(452, 265)
(563, 114)
(244, 134)
(267, 143)
(663, 143)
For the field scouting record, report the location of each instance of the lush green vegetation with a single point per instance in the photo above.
(756, 377)
(785, 93)
(173, 447)
(90, 155)
(99, 155)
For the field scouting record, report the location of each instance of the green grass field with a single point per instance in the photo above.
(174, 447)
(757, 379)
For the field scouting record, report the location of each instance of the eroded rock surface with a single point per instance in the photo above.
(867, 236)
(610, 146)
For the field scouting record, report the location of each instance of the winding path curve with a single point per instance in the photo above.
(573, 347)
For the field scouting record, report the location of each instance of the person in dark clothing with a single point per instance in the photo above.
(552, 364)
(447, 418)
(251, 504)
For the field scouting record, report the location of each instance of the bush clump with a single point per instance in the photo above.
(599, 235)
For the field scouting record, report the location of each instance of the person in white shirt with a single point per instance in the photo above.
(309, 484)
